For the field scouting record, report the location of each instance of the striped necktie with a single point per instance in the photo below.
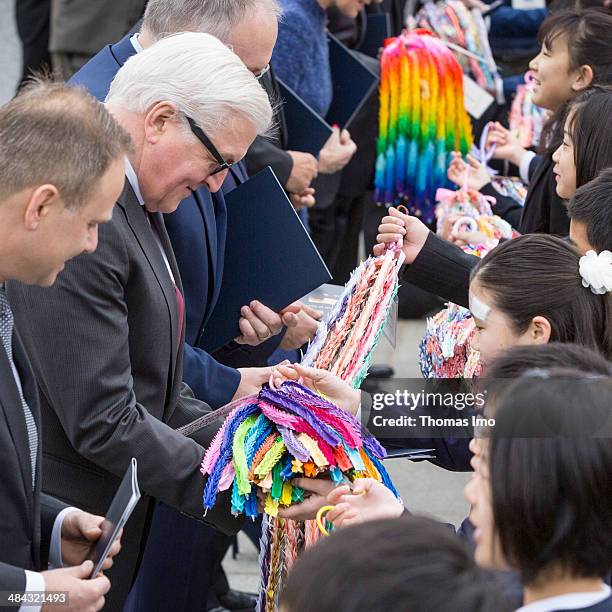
(7, 324)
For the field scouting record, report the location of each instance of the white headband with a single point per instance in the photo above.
(596, 271)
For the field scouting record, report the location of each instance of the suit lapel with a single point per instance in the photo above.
(205, 204)
(139, 224)
(11, 404)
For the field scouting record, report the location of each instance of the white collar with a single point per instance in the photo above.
(136, 43)
(571, 601)
(133, 180)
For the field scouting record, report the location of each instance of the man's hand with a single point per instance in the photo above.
(252, 379)
(323, 382)
(475, 172)
(258, 322)
(398, 226)
(304, 171)
(84, 595)
(370, 500)
(304, 330)
(336, 152)
(80, 530)
(306, 199)
(318, 488)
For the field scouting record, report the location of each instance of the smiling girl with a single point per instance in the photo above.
(576, 54)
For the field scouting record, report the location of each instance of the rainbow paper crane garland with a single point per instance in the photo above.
(282, 433)
(269, 439)
(446, 350)
(422, 120)
(345, 340)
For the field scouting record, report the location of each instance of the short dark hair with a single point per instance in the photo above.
(514, 362)
(592, 204)
(551, 495)
(588, 38)
(56, 134)
(538, 274)
(408, 563)
(589, 129)
(588, 43)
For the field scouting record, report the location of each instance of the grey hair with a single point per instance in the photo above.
(215, 17)
(199, 75)
(60, 135)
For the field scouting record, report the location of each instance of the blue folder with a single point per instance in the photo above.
(269, 256)
(352, 83)
(307, 131)
(378, 28)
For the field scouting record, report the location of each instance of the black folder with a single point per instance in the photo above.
(352, 82)
(378, 28)
(307, 131)
(269, 256)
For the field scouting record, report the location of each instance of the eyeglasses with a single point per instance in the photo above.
(205, 140)
(260, 74)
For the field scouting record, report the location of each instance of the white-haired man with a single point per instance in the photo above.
(107, 340)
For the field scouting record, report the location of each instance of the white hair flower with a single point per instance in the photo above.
(596, 271)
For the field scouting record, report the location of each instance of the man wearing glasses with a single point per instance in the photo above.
(107, 341)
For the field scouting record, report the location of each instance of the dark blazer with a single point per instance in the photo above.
(271, 151)
(27, 516)
(544, 210)
(197, 231)
(443, 269)
(107, 351)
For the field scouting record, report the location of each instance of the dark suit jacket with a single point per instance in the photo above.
(443, 269)
(197, 232)
(108, 355)
(271, 151)
(27, 516)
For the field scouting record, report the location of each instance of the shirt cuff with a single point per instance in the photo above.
(34, 583)
(524, 166)
(55, 549)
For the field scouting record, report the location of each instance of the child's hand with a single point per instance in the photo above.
(370, 500)
(506, 144)
(477, 175)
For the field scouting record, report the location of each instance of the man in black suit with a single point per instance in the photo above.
(60, 173)
(112, 329)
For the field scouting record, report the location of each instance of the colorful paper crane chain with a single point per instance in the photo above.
(446, 350)
(422, 120)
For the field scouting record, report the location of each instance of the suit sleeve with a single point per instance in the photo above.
(12, 579)
(49, 509)
(87, 378)
(442, 269)
(263, 152)
(210, 380)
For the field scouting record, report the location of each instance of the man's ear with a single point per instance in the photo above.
(42, 199)
(584, 78)
(157, 120)
(540, 330)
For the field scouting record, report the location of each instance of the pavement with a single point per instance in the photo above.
(425, 488)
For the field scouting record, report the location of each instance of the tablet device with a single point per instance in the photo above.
(123, 503)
